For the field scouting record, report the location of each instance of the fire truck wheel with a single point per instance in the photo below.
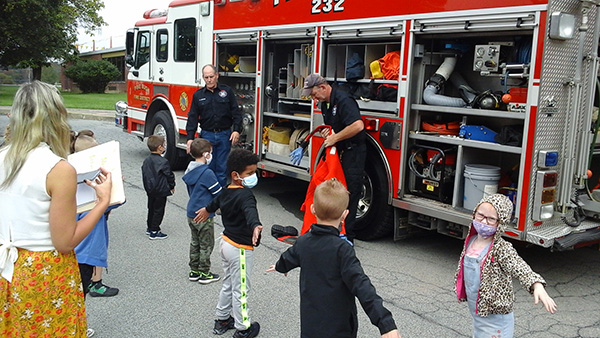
(162, 124)
(374, 217)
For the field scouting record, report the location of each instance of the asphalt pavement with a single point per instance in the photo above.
(414, 276)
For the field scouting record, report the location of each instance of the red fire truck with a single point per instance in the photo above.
(477, 97)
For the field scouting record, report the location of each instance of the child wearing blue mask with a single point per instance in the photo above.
(202, 187)
(241, 234)
(486, 268)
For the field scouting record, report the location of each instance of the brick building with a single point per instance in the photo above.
(116, 56)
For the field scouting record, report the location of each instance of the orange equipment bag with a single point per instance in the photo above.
(327, 168)
(390, 65)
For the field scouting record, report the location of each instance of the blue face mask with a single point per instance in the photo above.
(483, 229)
(250, 181)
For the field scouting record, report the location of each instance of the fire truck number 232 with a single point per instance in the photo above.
(459, 99)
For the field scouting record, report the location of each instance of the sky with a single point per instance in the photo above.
(119, 15)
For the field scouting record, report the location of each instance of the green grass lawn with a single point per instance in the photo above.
(72, 100)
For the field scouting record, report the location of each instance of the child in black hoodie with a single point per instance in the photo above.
(331, 276)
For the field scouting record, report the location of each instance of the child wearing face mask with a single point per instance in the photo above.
(202, 187)
(240, 235)
(486, 268)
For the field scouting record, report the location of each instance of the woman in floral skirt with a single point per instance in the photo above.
(40, 286)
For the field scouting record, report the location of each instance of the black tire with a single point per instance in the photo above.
(162, 125)
(374, 216)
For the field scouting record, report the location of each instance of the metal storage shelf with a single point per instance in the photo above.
(287, 116)
(236, 74)
(378, 105)
(469, 111)
(467, 143)
(331, 79)
(292, 101)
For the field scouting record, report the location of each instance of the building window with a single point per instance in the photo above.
(185, 40)
(162, 43)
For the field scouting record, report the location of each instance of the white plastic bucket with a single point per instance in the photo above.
(480, 180)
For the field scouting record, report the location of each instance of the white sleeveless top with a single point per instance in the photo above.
(25, 208)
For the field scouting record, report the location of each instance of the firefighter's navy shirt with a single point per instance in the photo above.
(215, 111)
(341, 112)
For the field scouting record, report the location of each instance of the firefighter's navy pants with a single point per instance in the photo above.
(353, 163)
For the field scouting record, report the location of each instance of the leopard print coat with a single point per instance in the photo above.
(500, 266)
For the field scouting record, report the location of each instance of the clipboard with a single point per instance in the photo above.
(87, 162)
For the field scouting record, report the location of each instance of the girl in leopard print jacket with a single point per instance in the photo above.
(491, 301)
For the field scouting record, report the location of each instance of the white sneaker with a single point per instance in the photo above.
(90, 332)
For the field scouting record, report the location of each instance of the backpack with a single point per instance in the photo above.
(355, 67)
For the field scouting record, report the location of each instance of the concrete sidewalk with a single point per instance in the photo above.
(82, 114)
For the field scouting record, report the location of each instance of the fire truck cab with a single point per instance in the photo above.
(458, 99)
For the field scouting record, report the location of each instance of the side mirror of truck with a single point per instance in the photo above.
(129, 60)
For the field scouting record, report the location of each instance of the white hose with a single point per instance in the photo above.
(442, 74)
(447, 67)
(431, 97)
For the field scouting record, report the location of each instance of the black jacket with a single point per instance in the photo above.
(238, 213)
(157, 175)
(330, 277)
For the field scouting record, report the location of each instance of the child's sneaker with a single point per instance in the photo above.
(207, 278)
(90, 333)
(194, 275)
(98, 289)
(148, 231)
(221, 326)
(250, 332)
(157, 235)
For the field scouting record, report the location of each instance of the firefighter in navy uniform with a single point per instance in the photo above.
(341, 112)
(217, 111)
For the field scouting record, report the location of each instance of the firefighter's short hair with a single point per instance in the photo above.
(331, 199)
(200, 146)
(155, 141)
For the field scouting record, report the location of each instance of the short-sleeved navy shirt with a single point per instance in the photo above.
(341, 112)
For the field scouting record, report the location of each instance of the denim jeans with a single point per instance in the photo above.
(221, 147)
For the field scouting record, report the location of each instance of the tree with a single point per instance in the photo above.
(51, 74)
(92, 76)
(33, 32)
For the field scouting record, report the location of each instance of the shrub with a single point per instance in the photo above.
(92, 76)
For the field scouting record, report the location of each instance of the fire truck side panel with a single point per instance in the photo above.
(279, 12)
(565, 99)
(483, 69)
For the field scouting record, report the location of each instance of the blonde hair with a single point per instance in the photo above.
(331, 199)
(37, 115)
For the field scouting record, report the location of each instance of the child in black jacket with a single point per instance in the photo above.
(331, 276)
(241, 234)
(159, 182)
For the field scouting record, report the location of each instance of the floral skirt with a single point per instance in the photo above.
(45, 297)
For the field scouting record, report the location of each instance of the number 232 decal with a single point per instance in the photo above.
(326, 6)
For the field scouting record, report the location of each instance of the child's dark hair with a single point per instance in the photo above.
(155, 141)
(239, 159)
(200, 146)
